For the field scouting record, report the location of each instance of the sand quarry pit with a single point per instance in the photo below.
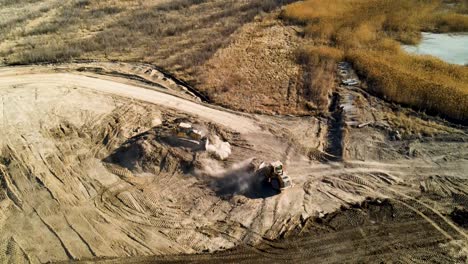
(89, 171)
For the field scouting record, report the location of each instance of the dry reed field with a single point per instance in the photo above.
(368, 32)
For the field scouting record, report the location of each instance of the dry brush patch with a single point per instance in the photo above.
(257, 72)
(265, 70)
(318, 66)
(423, 82)
(367, 33)
(409, 125)
(177, 35)
(182, 37)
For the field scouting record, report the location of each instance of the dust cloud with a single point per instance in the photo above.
(221, 149)
(239, 179)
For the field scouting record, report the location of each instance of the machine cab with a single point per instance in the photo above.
(277, 168)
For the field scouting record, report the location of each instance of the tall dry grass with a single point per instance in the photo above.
(368, 33)
(318, 64)
(422, 82)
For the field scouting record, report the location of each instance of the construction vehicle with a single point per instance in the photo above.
(185, 130)
(274, 175)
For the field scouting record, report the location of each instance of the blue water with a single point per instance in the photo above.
(452, 48)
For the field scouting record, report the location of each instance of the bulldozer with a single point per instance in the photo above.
(273, 173)
(186, 131)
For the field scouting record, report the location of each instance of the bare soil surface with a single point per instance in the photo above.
(90, 171)
(258, 71)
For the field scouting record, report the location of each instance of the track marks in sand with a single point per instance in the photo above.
(369, 181)
(444, 225)
(124, 212)
(12, 252)
(235, 122)
(52, 231)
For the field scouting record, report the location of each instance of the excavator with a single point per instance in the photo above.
(274, 175)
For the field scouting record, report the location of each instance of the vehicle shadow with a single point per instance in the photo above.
(242, 180)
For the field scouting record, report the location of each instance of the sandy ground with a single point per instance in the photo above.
(88, 173)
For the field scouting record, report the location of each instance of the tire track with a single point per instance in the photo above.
(66, 250)
(88, 246)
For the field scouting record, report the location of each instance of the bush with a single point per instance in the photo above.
(108, 10)
(44, 28)
(82, 3)
(54, 50)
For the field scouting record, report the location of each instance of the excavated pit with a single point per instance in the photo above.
(91, 171)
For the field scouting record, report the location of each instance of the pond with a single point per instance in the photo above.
(452, 48)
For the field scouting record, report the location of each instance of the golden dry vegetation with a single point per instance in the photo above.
(178, 35)
(368, 32)
(410, 125)
(258, 71)
(268, 69)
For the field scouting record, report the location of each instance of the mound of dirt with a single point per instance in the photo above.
(160, 149)
(146, 153)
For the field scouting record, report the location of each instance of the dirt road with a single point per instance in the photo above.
(39, 81)
(87, 174)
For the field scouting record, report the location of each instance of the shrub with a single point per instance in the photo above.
(82, 3)
(108, 10)
(44, 28)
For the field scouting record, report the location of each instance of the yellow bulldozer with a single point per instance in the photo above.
(274, 175)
